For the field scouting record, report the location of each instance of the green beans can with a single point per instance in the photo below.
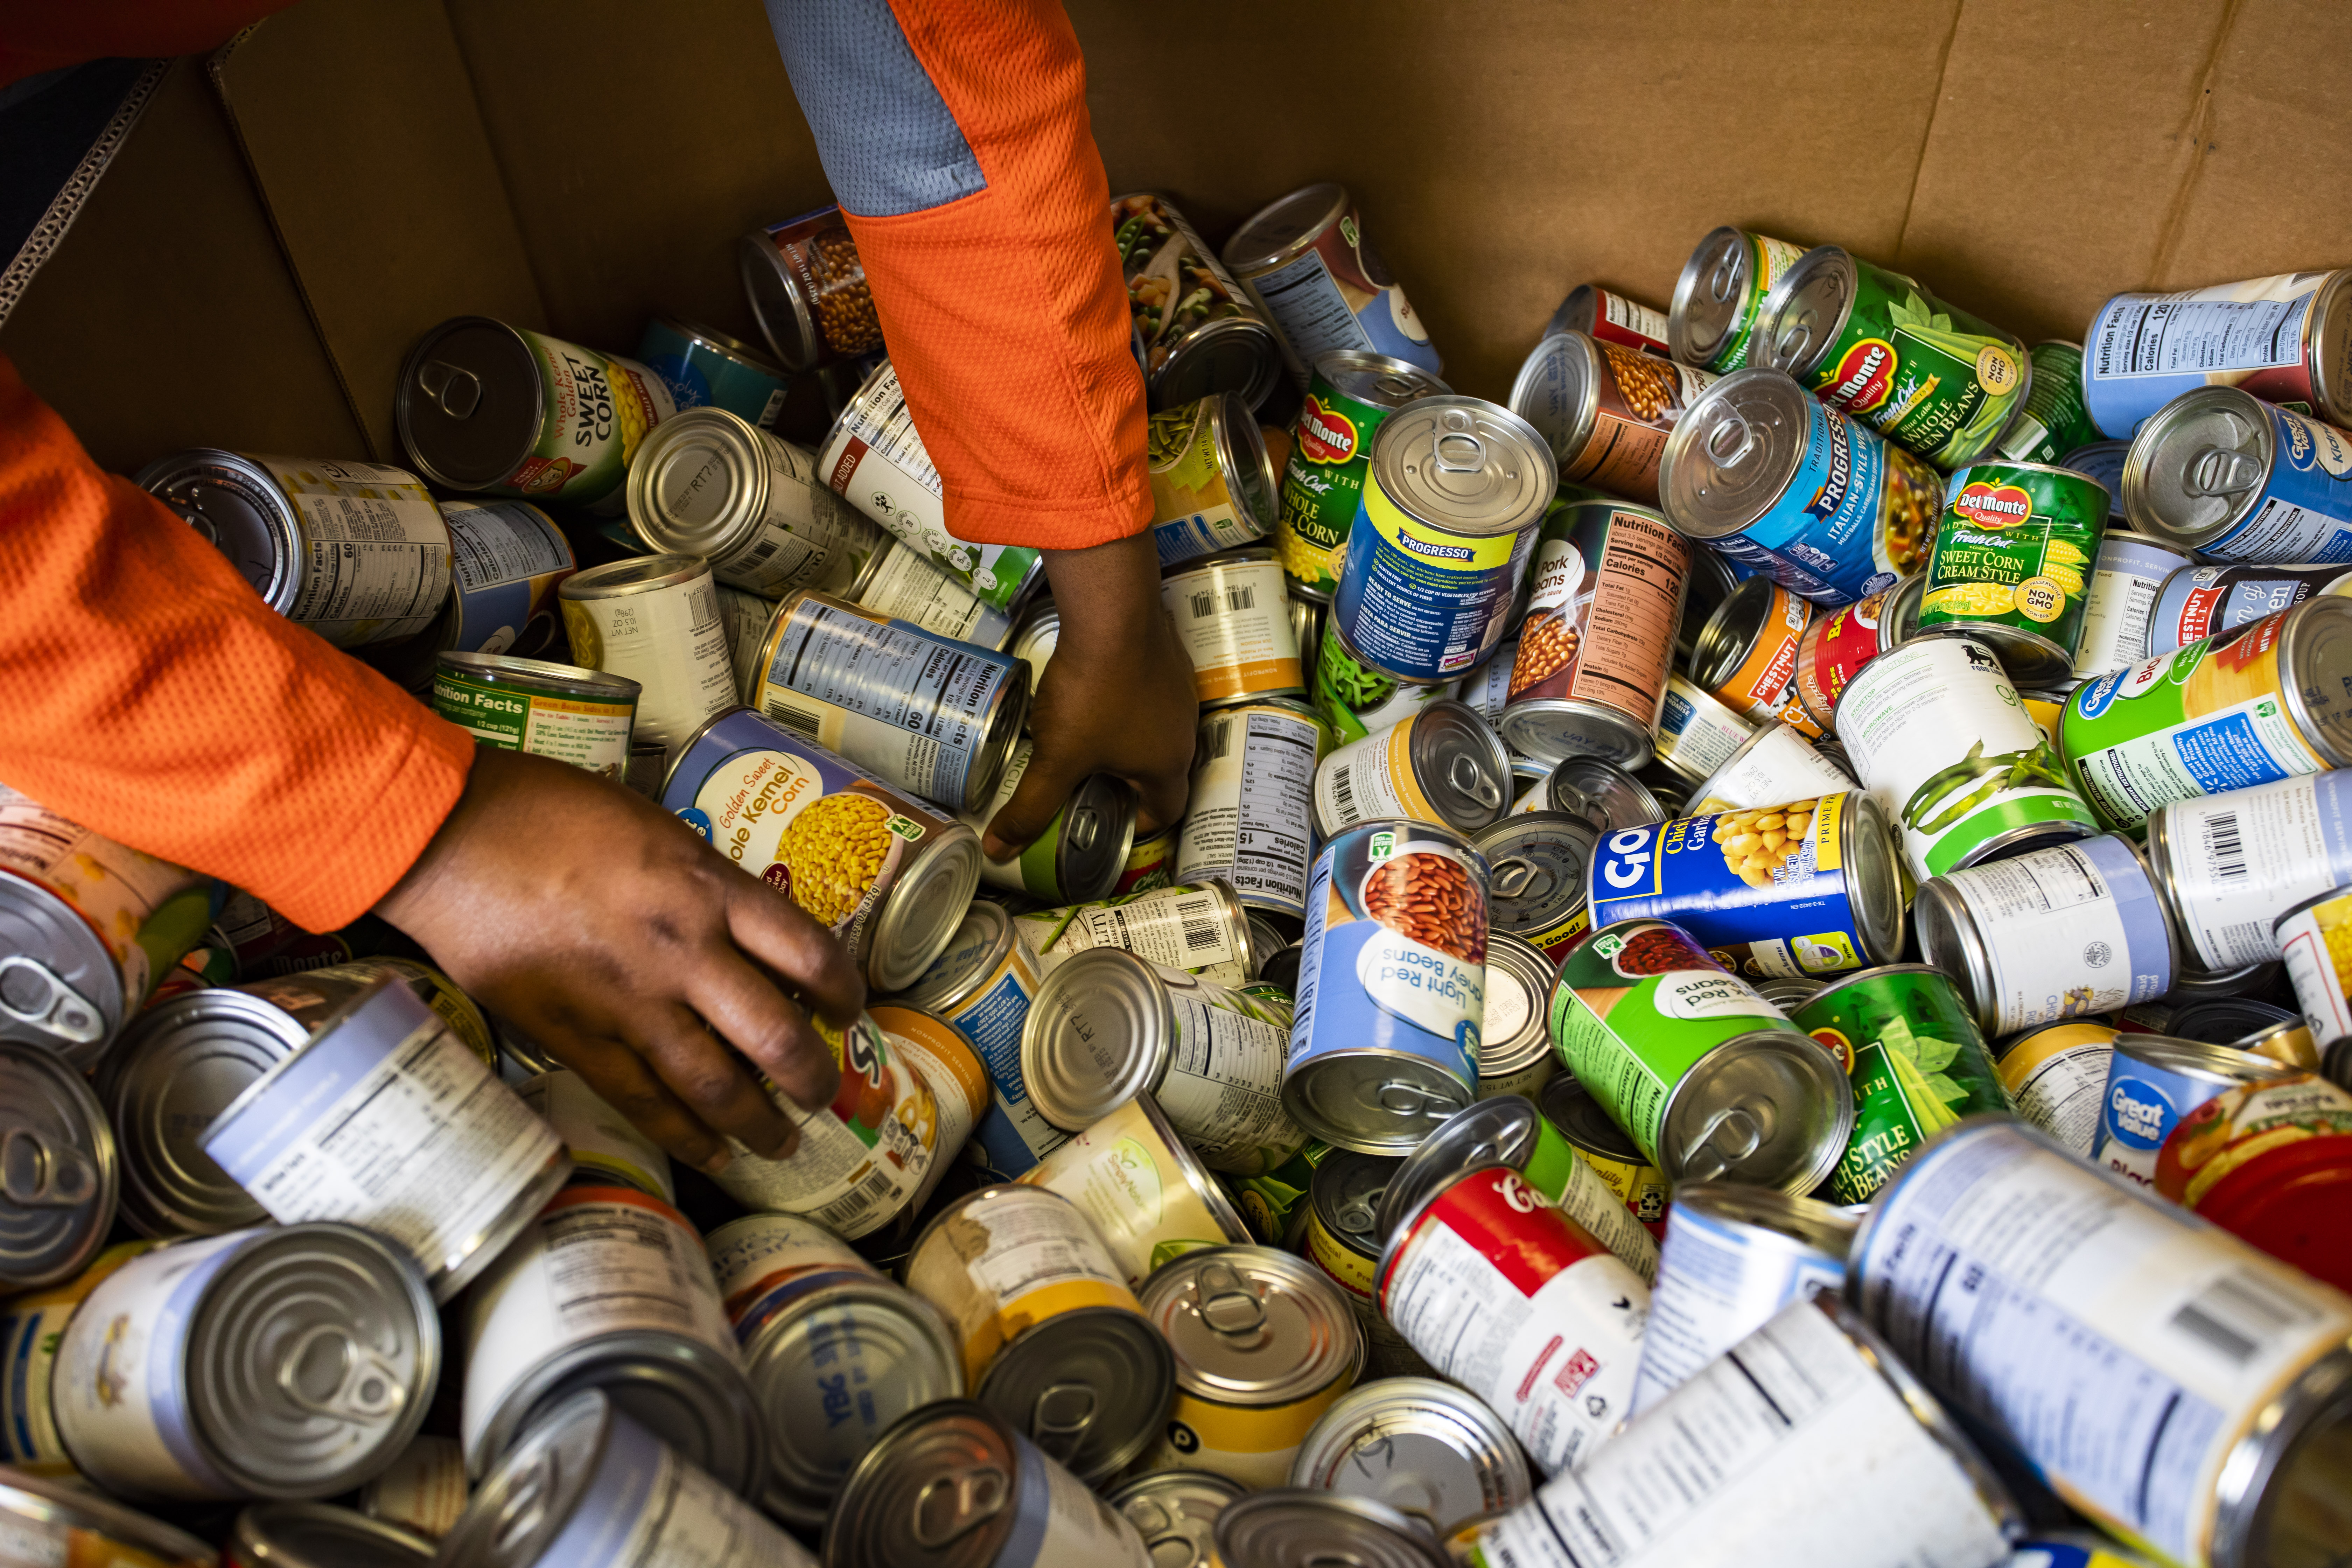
(1712, 322)
(2014, 550)
(1916, 1062)
(1348, 395)
(2055, 421)
(1934, 380)
(1357, 701)
(579, 716)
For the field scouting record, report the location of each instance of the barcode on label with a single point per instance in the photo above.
(1204, 601)
(767, 548)
(800, 721)
(1343, 794)
(702, 605)
(2225, 850)
(1199, 913)
(859, 1200)
(2236, 1314)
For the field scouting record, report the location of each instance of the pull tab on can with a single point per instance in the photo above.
(2220, 471)
(367, 1389)
(1466, 777)
(1796, 337)
(1730, 443)
(32, 992)
(1228, 1303)
(1743, 1127)
(1520, 877)
(35, 1174)
(1064, 1414)
(454, 389)
(522, 1515)
(957, 1503)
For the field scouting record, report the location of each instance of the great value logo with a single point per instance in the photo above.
(2138, 1113)
(1993, 505)
(1324, 435)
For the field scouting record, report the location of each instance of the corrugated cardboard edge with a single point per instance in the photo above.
(42, 243)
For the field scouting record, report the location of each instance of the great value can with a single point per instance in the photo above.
(1710, 1079)
(1510, 1298)
(1604, 409)
(706, 368)
(1721, 291)
(1775, 765)
(2267, 336)
(2196, 602)
(2010, 566)
(2265, 703)
(1902, 722)
(2216, 1364)
(1200, 928)
(1797, 490)
(982, 983)
(807, 289)
(1451, 501)
(1536, 864)
(507, 560)
(2057, 1076)
(2228, 865)
(1441, 764)
(1198, 331)
(1429, 1449)
(1213, 480)
(1836, 645)
(1348, 395)
(1306, 261)
(902, 584)
(1391, 991)
(1603, 1147)
(1151, 1198)
(2154, 1082)
(2235, 478)
(713, 484)
(1232, 616)
(1250, 821)
(655, 620)
(559, 710)
(2119, 605)
(1697, 734)
(2269, 1163)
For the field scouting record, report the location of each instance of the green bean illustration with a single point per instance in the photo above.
(1981, 777)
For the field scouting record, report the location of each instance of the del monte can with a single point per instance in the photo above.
(2011, 553)
(1349, 395)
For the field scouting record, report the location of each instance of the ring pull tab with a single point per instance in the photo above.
(954, 1504)
(1179, 1544)
(2220, 471)
(454, 389)
(1396, 388)
(368, 1390)
(1359, 1212)
(1731, 453)
(192, 514)
(32, 992)
(1400, 1098)
(1467, 776)
(1459, 452)
(1520, 878)
(35, 1174)
(1729, 275)
(1746, 1123)
(1059, 1421)
(1796, 337)
(1227, 1302)
(523, 1512)
(1080, 827)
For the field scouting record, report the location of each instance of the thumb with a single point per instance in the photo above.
(1045, 788)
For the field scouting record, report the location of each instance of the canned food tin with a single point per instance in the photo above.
(874, 459)
(1200, 332)
(934, 717)
(61, 1172)
(959, 1487)
(1456, 491)
(31, 1328)
(654, 620)
(1609, 317)
(1911, 1050)
(982, 984)
(1601, 794)
(1511, 1298)
(481, 406)
(1212, 481)
(1902, 721)
(902, 584)
(559, 710)
(1514, 1053)
(1106, 1025)
(1080, 856)
(1175, 1512)
(1709, 1079)
(424, 1490)
(1357, 701)
(2119, 608)
(2104, 461)
(1604, 409)
(706, 368)
(48, 1521)
(2014, 546)
(1805, 887)
(2156, 1317)
(2053, 421)
(1200, 928)
(1427, 1448)
(2057, 1076)
(890, 877)
(2153, 1082)
(1251, 822)
(2287, 1041)
(1349, 395)
(1738, 1449)
(386, 1117)
(506, 561)
(1441, 764)
(1052, 1339)
(2210, 1011)
(1747, 652)
(1293, 1529)
(1232, 616)
(1734, 1258)
(2196, 602)
(1712, 321)
(358, 553)
(2057, 933)
(1927, 376)
(1151, 1198)
(2315, 936)
(2245, 707)
(2236, 478)
(2270, 1164)
(807, 289)
(834, 1353)
(1697, 734)
(713, 484)
(1392, 988)
(289, 1360)
(2282, 339)
(1607, 1152)
(1590, 674)
(1341, 1234)
(314, 1535)
(1774, 765)
(951, 1067)
(1263, 1345)
(745, 617)
(1306, 263)
(2228, 864)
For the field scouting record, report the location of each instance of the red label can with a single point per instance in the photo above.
(2271, 1163)
(1837, 644)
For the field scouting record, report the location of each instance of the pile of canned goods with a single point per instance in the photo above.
(1781, 894)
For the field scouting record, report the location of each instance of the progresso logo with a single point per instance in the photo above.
(2138, 1113)
(1434, 551)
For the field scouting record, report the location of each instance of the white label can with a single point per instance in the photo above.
(667, 637)
(2229, 863)
(1252, 817)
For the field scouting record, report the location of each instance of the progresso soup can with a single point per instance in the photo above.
(2265, 336)
(1348, 395)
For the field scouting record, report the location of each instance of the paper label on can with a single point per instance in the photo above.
(2241, 1126)
(32, 1330)
(115, 888)
(373, 560)
(1122, 1174)
(1337, 296)
(1766, 890)
(2069, 931)
(1697, 734)
(688, 1519)
(1194, 509)
(507, 560)
(1369, 779)
(1829, 536)
(1782, 766)
(424, 1491)
(1174, 927)
(1600, 619)
(2233, 861)
(1252, 818)
(2057, 1077)
(594, 736)
(2026, 1290)
(671, 641)
(1012, 1134)
(1224, 1085)
(862, 1159)
(1234, 619)
(1065, 1523)
(2229, 327)
(2119, 607)
(999, 1267)
(1721, 1281)
(598, 1138)
(953, 1072)
(2317, 946)
(1766, 260)
(1322, 484)
(1423, 600)
(907, 588)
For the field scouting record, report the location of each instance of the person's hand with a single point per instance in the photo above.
(1118, 697)
(609, 932)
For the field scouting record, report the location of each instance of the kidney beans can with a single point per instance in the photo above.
(1721, 291)
(2057, 1076)
(2196, 602)
(982, 983)
(654, 620)
(1604, 409)
(2012, 556)
(706, 368)
(1232, 616)
(1213, 480)
(1150, 1196)
(2235, 478)
(1251, 820)
(1348, 395)
(713, 484)
(559, 710)
(1443, 764)
(1450, 504)
(1306, 261)
(1199, 332)
(2264, 335)
(2119, 605)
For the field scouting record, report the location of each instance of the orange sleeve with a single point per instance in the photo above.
(150, 695)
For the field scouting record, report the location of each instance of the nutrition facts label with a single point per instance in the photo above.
(906, 588)
(1262, 842)
(1305, 299)
(1224, 1087)
(507, 542)
(2165, 334)
(688, 1521)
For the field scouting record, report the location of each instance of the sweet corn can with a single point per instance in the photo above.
(1149, 1195)
(2012, 551)
(1348, 393)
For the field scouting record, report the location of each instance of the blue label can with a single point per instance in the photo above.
(705, 368)
(2236, 478)
(1392, 988)
(2196, 602)
(984, 984)
(2263, 334)
(2152, 1082)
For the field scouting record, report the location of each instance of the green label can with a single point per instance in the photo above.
(1355, 701)
(2015, 546)
(1348, 398)
(2055, 421)
(577, 716)
(1916, 1059)
(1273, 1204)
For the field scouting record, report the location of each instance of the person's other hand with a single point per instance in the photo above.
(606, 931)
(1118, 697)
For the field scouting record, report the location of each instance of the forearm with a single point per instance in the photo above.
(1106, 597)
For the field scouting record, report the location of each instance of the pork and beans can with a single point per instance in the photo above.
(2012, 553)
(2119, 605)
(1457, 490)
(1838, 643)
(1232, 616)
(1198, 331)
(713, 484)
(2057, 1076)
(577, 716)
(1251, 820)
(1439, 764)
(1213, 480)
(888, 875)
(1720, 294)
(1392, 993)
(1747, 654)
(1348, 395)
(2236, 478)
(1604, 409)
(2266, 336)
(1598, 644)
(1710, 1079)
(2197, 602)
(1306, 261)
(807, 289)
(654, 619)
(2267, 701)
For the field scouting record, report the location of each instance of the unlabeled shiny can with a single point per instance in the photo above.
(1442, 764)
(1427, 1448)
(1251, 819)
(1149, 1195)
(1536, 892)
(60, 1178)
(655, 620)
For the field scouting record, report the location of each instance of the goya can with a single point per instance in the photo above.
(2010, 564)
(706, 368)
(807, 289)
(2218, 1363)
(1747, 654)
(982, 983)
(2279, 337)
(1797, 490)
(1306, 261)
(1603, 1147)
(2057, 1076)
(1392, 993)
(1911, 1049)
(713, 484)
(2228, 865)
(560, 711)
(1589, 677)
(1837, 644)
(1515, 1301)
(481, 406)
(1697, 734)
(1200, 928)
(1151, 1198)
(1929, 377)
(1078, 857)
(890, 877)
(2119, 605)
(1604, 409)
(1251, 818)
(1450, 504)
(1232, 616)
(1426, 1447)
(2270, 1164)
(1198, 331)
(1721, 291)
(1941, 738)
(1357, 701)
(2196, 602)
(1609, 317)
(1213, 480)
(2053, 420)
(2236, 478)
(1536, 865)
(2315, 936)
(2265, 703)
(1710, 1079)
(654, 619)
(1808, 887)
(1443, 764)
(1776, 765)
(1348, 395)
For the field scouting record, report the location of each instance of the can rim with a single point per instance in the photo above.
(633, 574)
(1828, 270)
(716, 433)
(1343, 1521)
(1326, 196)
(758, 263)
(96, 1141)
(1570, 357)
(571, 680)
(1335, 1354)
(403, 394)
(1682, 339)
(1782, 398)
(1358, 375)
(1151, 1023)
(1793, 1216)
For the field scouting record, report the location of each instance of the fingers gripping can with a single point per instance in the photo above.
(1148, 1193)
(1513, 1300)
(1078, 857)
(1348, 395)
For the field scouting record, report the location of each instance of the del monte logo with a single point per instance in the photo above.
(1993, 505)
(1325, 434)
(1865, 377)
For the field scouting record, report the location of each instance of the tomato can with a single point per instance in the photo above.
(1306, 262)
(32, 1329)
(2012, 555)
(1348, 395)
(982, 984)
(63, 1521)
(1603, 1147)
(2269, 1163)
(560, 711)
(1774, 765)
(1200, 928)
(1251, 819)
(1441, 764)
(2057, 1076)
(1508, 1295)
(1427, 1448)
(2279, 339)
(655, 620)
(1342, 1237)
(2196, 602)
(1150, 1196)
(1710, 1079)
(1720, 294)
(2222, 472)
(903, 584)
(62, 1176)
(706, 368)
(2119, 607)
(2315, 936)
(1175, 1512)
(318, 1535)
(1200, 332)
(713, 484)
(1212, 481)
(1604, 409)
(1697, 734)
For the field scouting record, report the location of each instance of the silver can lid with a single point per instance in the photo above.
(1252, 1325)
(236, 506)
(1428, 1448)
(1710, 296)
(1347, 1192)
(1516, 1036)
(58, 1170)
(1557, 392)
(1733, 452)
(71, 1504)
(1769, 1107)
(1602, 794)
(1284, 228)
(1805, 311)
(530, 1494)
(934, 887)
(635, 574)
(468, 405)
(316, 1535)
(1537, 863)
(698, 485)
(2199, 465)
(1250, 479)
(1099, 1028)
(1730, 633)
(1465, 465)
(59, 988)
(1176, 1511)
(1874, 877)
(1460, 764)
(1239, 354)
(1095, 831)
(1504, 1130)
(1376, 379)
(1090, 1387)
(1290, 1527)
(981, 940)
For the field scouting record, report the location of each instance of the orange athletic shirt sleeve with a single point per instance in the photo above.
(994, 279)
(152, 697)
